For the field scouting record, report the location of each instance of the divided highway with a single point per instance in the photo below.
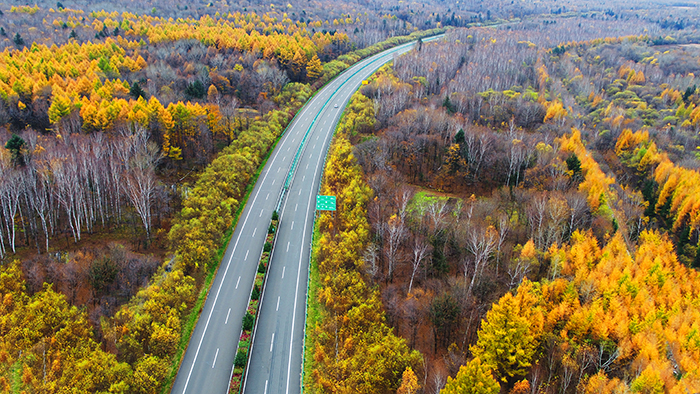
(275, 364)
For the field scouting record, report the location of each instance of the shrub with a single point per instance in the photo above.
(248, 321)
(268, 247)
(261, 268)
(241, 359)
(256, 293)
(275, 216)
(271, 229)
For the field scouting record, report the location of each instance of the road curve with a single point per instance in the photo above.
(276, 358)
(208, 361)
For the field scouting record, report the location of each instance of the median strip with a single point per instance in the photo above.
(249, 324)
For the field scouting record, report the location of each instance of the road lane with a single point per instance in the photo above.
(208, 361)
(278, 370)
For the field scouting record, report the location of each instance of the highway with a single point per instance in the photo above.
(275, 364)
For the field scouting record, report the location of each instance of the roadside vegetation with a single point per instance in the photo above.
(537, 176)
(532, 213)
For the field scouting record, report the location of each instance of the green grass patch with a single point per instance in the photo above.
(421, 200)
(16, 377)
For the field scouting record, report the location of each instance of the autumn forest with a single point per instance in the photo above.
(518, 201)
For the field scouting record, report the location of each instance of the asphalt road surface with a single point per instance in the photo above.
(275, 364)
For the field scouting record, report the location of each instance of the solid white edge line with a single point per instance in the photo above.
(299, 270)
(296, 292)
(223, 278)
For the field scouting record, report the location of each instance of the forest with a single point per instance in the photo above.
(537, 179)
(527, 209)
(129, 142)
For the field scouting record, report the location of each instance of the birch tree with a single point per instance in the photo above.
(420, 251)
(140, 178)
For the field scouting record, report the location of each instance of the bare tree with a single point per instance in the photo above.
(606, 357)
(481, 245)
(370, 257)
(139, 177)
(517, 272)
(503, 228)
(536, 216)
(437, 212)
(37, 187)
(569, 367)
(420, 251)
(557, 212)
(11, 186)
(228, 113)
(438, 382)
(402, 199)
(578, 206)
(516, 157)
(586, 357)
(395, 230)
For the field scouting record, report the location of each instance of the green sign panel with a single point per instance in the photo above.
(325, 203)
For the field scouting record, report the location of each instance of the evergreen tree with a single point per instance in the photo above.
(459, 137)
(136, 91)
(19, 41)
(195, 90)
(16, 146)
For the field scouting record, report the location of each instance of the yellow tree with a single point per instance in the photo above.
(213, 94)
(409, 382)
(298, 66)
(510, 334)
(314, 68)
(473, 378)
